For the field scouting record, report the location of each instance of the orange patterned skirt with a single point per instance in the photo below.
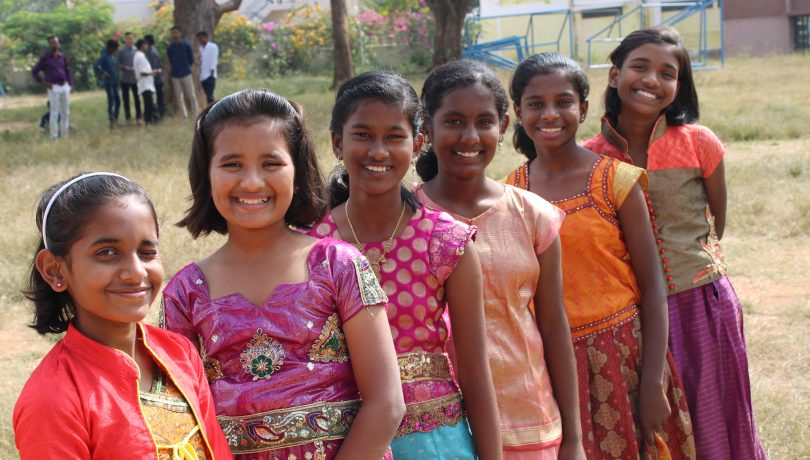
(608, 371)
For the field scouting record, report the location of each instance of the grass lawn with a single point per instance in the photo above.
(757, 106)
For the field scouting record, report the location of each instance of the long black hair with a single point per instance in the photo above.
(454, 75)
(543, 64)
(376, 85)
(685, 108)
(70, 212)
(243, 108)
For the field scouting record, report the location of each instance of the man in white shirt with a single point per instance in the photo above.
(209, 55)
(146, 80)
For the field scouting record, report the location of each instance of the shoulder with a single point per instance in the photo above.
(51, 388)
(595, 142)
(335, 251)
(167, 340)
(533, 208)
(184, 280)
(443, 222)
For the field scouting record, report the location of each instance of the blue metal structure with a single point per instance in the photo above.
(522, 46)
(690, 9)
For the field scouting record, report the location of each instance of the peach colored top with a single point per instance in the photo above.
(511, 234)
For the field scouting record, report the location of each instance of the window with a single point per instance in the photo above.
(801, 33)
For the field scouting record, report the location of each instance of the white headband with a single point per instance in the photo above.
(62, 189)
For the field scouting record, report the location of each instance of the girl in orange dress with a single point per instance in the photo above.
(628, 394)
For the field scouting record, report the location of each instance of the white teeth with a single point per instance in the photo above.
(646, 94)
(255, 201)
(551, 130)
(379, 169)
(468, 154)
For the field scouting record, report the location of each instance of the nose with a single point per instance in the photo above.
(550, 112)
(133, 268)
(377, 150)
(251, 179)
(650, 79)
(469, 135)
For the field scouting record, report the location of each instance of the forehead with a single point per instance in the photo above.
(557, 81)
(260, 135)
(378, 112)
(475, 98)
(125, 217)
(658, 53)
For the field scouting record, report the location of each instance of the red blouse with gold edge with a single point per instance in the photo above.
(599, 284)
(679, 158)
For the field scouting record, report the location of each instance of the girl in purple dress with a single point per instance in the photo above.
(426, 263)
(277, 314)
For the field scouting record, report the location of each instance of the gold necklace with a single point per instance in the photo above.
(375, 265)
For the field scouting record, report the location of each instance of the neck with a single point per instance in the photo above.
(635, 129)
(256, 243)
(459, 189)
(559, 159)
(376, 213)
(121, 337)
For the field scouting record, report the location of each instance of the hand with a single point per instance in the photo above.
(572, 450)
(653, 409)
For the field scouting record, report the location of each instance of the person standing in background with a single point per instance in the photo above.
(181, 58)
(53, 65)
(153, 55)
(129, 81)
(105, 66)
(146, 80)
(209, 55)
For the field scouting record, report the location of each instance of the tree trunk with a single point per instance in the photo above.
(449, 16)
(344, 67)
(193, 16)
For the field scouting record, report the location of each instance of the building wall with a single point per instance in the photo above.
(758, 36)
(131, 10)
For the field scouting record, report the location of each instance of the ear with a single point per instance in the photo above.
(504, 124)
(583, 111)
(417, 145)
(51, 267)
(613, 77)
(517, 112)
(337, 145)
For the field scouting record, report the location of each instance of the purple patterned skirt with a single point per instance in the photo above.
(706, 339)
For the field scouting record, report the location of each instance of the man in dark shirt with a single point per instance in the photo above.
(181, 58)
(153, 56)
(126, 73)
(57, 79)
(105, 67)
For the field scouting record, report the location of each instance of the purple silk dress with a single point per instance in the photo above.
(280, 372)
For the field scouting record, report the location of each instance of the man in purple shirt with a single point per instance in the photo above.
(53, 65)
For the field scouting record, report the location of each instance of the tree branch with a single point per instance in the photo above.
(230, 5)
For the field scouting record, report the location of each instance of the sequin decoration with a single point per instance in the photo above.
(331, 345)
(370, 290)
(262, 356)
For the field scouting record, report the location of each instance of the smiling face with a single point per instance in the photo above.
(465, 130)
(252, 175)
(550, 111)
(113, 271)
(377, 146)
(647, 81)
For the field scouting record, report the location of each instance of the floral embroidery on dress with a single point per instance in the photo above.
(712, 247)
(213, 371)
(370, 290)
(331, 345)
(262, 357)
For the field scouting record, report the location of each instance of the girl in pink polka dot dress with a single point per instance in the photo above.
(426, 263)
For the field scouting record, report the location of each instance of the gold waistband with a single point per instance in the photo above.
(289, 427)
(419, 366)
(428, 415)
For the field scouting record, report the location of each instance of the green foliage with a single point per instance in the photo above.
(82, 30)
(9, 7)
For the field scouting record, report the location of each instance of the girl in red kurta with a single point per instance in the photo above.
(112, 387)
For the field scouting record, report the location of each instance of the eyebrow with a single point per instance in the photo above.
(365, 126)
(644, 59)
(456, 113)
(112, 240)
(231, 156)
